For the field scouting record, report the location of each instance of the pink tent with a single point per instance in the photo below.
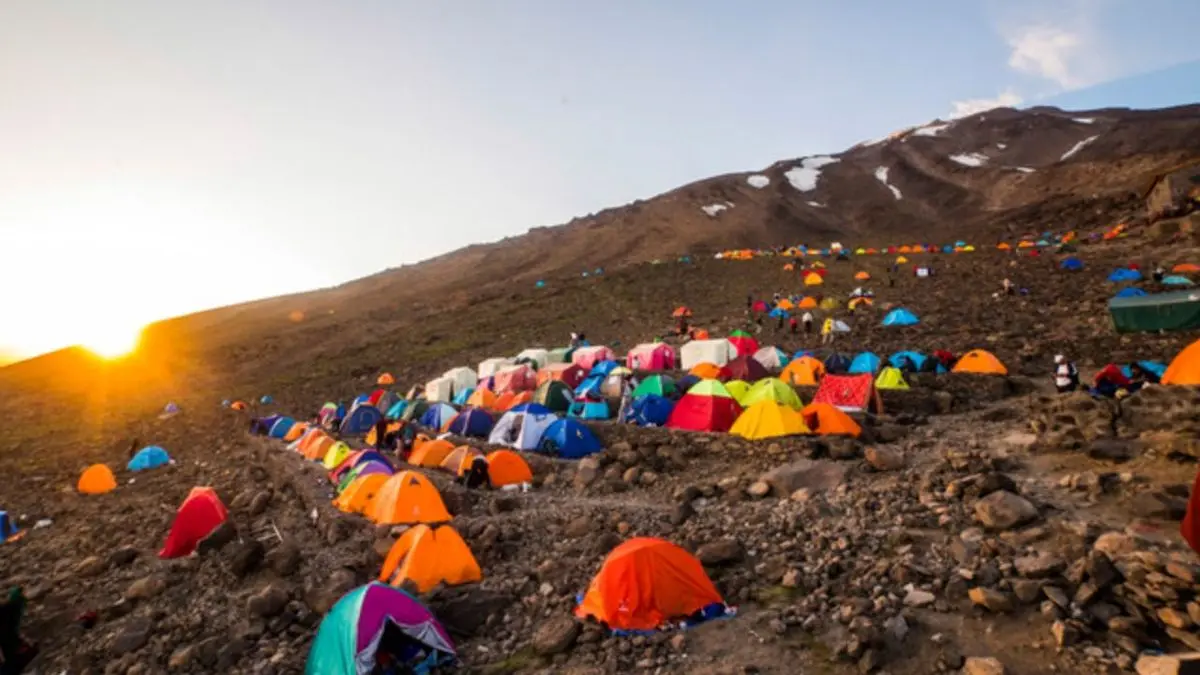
(587, 357)
(657, 356)
(515, 378)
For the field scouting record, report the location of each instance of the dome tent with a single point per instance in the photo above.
(900, 317)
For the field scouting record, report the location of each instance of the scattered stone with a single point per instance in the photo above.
(145, 588)
(1026, 590)
(805, 473)
(579, 527)
(1168, 664)
(285, 559)
(681, 512)
(122, 556)
(980, 665)
(556, 635)
(1039, 566)
(990, 599)
(268, 602)
(1003, 510)
(218, 539)
(1065, 634)
(721, 552)
(1115, 544)
(246, 557)
(132, 637)
(1111, 449)
(759, 489)
(91, 566)
(259, 503)
(916, 597)
(883, 458)
(1174, 618)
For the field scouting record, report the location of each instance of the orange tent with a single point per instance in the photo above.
(826, 420)
(431, 453)
(1185, 367)
(804, 371)
(392, 426)
(482, 398)
(238, 405)
(905, 249)
(408, 498)
(458, 461)
(862, 276)
(706, 371)
(319, 447)
(808, 302)
(980, 362)
(789, 267)
(1186, 267)
(681, 312)
(386, 379)
(506, 467)
(1003, 246)
(360, 493)
(645, 583)
(510, 399)
(427, 556)
(96, 480)
(700, 334)
(295, 432)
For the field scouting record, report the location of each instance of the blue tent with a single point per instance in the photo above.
(916, 358)
(1150, 366)
(778, 313)
(569, 439)
(683, 384)
(532, 408)
(603, 369)
(590, 385)
(362, 399)
(650, 410)
(266, 400)
(1130, 292)
(472, 422)
(540, 284)
(803, 352)
(281, 426)
(1122, 274)
(438, 415)
(7, 527)
(836, 363)
(866, 362)
(1176, 280)
(149, 458)
(589, 410)
(397, 410)
(900, 317)
(362, 418)
(371, 456)
(463, 396)
(947, 249)
(1071, 264)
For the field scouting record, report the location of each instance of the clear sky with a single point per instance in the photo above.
(157, 158)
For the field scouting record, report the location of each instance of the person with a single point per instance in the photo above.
(380, 433)
(750, 302)
(15, 652)
(574, 344)
(808, 323)
(477, 475)
(779, 325)
(793, 325)
(1159, 274)
(626, 397)
(1008, 286)
(1066, 375)
(775, 299)
(827, 331)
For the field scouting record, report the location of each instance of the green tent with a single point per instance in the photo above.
(772, 389)
(1179, 310)
(657, 385)
(555, 395)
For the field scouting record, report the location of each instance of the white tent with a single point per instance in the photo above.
(441, 389)
(488, 367)
(717, 352)
(536, 354)
(464, 378)
(521, 430)
(840, 326)
(771, 358)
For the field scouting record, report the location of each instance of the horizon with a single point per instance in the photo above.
(171, 177)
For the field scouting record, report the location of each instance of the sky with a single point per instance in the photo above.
(161, 158)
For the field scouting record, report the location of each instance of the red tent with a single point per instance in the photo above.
(375, 396)
(200, 514)
(744, 344)
(707, 406)
(849, 392)
(744, 368)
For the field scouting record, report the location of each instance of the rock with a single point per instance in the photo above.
(91, 566)
(1111, 449)
(1039, 566)
(990, 599)
(980, 665)
(132, 637)
(1168, 664)
(944, 401)
(882, 458)
(842, 448)
(218, 539)
(681, 512)
(720, 552)
(870, 661)
(122, 556)
(231, 652)
(587, 472)
(1065, 634)
(1115, 544)
(470, 612)
(805, 473)
(1057, 596)
(259, 503)
(1026, 590)
(245, 557)
(503, 504)
(678, 642)
(268, 602)
(285, 559)
(759, 489)
(896, 629)
(579, 527)
(632, 474)
(1003, 510)
(145, 588)
(339, 582)
(915, 597)
(1174, 618)
(648, 478)
(1100, 571)
(1158, 505)
(181, 658)
(556, 635)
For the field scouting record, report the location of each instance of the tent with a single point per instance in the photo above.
(707, 406)
(836, 363)
(97, 479)
(8, 529)
(1130, 292)
(778, 313)
(848, 392)
(567, 373)
(359, 494)
(298, 429)
(590, 410)
(463, 378)
(319, 445)
(506, 467)
(743, 368)
(1071, 264)
(514, 378)
(890, 378)
(768, 419)
(862, 276)
(385, 380)
(569, 439)
(737, 389)
(1123, 274)
(658, 385)
(471, 422)
(430, 453)
(371, 468)
(438, 415)
(718, 352)
(826, 420)
(900, 317)
(650, 410)
(803, 371)
(1155, 368)
(360, 420)
(335, 455)
(646, 583)
(408, 498)
(587, 357)
(482, 398)
(771, 358)
(534, 355)
(915, 359)
(1186, 268)
(279, 430)
(813, 279)
(200, 514)
(425, 556)
(439, 390)
(743, 344)
(651, 356)
(554, 395)
(149, 458)
(865, 362)
(350, 634)
(1185, 367)
(460, 460)
(489, 367)
(774, 390)
(1176, 280)
(603, 369)
(521, 430)
(706, 371)
(980, 362)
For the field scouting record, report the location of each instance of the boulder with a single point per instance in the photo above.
(1003, 510)
(983, 665)
(1169, 664)
(882, 458)
(804, 473)
(1039, 566)
(990, 599)
(556, 635)
(720, 552)
(268, 602)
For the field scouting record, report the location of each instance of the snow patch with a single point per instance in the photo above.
(930, 130)
(804, 177)
(1001, 146)
(713, 209)
(1077, 147)
(758, 181)
(970, 159)
(816, 205)
(1084, 120)
(881, 174)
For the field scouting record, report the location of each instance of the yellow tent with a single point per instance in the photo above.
(813, 279)
(335, 455)
(901, 260)
(768, 419)
(738, 390)
(829, 304)
(890, 378)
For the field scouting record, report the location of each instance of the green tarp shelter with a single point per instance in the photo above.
(1179, 310)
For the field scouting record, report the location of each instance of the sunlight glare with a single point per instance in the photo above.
(112, 342)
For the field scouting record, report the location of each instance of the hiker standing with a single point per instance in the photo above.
(1066, 375)
(1008, 286)
(793, 325)
(779, 325)
(827, 331)
(1159, 274)
(807, 319)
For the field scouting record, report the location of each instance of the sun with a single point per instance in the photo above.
(112, 342)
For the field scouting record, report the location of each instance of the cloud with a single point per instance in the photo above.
(1005, 99)
(1048, 52)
